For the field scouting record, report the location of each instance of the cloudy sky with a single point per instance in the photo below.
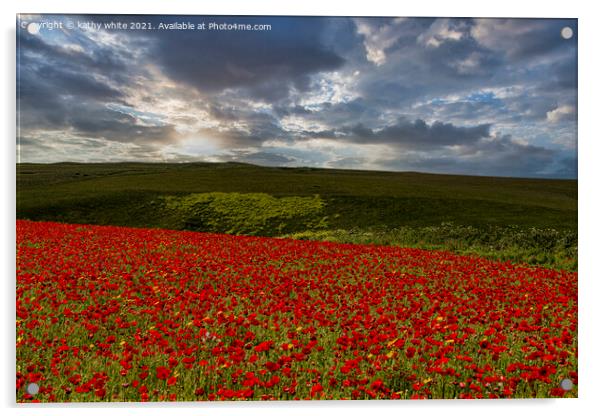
(470, 96)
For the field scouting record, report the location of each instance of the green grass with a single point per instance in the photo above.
(542, 247)
(248, 214)
(488, 216)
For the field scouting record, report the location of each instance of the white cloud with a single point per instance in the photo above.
(378, 37)
(561, 113)
(498, 34)
(439, 32)
(334, 88)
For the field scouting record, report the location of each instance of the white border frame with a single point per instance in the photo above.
(590, 345)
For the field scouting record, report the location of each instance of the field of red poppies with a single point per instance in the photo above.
(123, 314)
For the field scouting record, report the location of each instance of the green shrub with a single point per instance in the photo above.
(250, 214)
(535, 246)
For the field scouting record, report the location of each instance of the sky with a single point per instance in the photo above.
(494, 97)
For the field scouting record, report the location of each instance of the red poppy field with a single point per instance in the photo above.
(122, 314)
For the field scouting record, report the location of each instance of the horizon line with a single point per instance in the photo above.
(300, 167)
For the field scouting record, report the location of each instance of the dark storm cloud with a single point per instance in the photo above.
(83, 54)
(61, 81)
(418, 134)
(51, 100)
(52, 79)
(267, 63)
(463, 58)
(524, 39)
(561, 76)
(112, 125)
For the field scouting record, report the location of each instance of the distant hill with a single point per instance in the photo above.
(105, 193)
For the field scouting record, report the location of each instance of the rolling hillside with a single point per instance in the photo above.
(461, 213)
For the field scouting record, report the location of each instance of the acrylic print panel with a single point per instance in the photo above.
(283, 208)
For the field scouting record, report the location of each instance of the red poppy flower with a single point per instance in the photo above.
(162, 373)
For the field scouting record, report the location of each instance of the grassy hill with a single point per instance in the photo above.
(533, 220)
